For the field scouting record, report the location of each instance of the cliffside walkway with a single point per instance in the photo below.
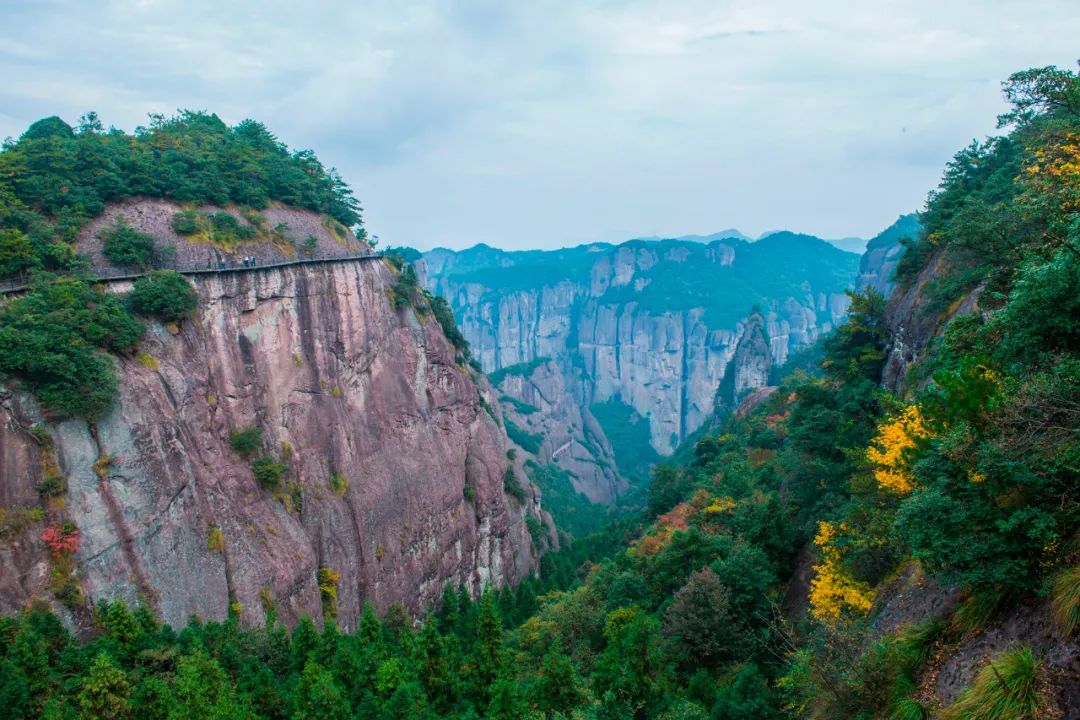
(22, 284)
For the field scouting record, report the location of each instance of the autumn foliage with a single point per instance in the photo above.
(833, 591)
(62, 540)
(891, 450)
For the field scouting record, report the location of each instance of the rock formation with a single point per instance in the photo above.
(651, 324)
(379, 430)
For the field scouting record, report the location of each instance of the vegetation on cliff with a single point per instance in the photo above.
(968, 478)
(55, 178)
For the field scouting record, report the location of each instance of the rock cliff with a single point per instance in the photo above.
(653, 325)
(380, 432)
(878, 263)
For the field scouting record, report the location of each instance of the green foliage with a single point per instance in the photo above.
(52, 338)
(16, 252)
(106, 691)
(126, 247)
(628, 433)
(186, 222)
(338, 483)
(521, 369)
(245, 441)
(857, 349)
(527, 441)
(1065, 599)
(699, 621)
(512, 485)
(572, 512)
(445, 317)
(521, 408)
(268, 472)
(405, 287)
(164, 294)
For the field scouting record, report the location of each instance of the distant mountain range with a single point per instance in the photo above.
(847, 244)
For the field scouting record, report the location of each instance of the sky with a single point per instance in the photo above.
(537, 124)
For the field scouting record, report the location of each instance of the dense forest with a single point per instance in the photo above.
(968, 475)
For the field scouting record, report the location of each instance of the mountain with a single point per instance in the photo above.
(883, 253)
(283, 426)
(642, 333)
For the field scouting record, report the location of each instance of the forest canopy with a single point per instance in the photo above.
(56, 177)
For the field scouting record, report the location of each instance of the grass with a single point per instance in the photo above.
(1008, 688)
(977, 610)
(1065, 600)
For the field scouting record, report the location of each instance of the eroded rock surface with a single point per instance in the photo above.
(338, 381)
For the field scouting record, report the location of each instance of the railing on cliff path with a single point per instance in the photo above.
(22, 282)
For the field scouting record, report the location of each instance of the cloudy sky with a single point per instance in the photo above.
(544, 124)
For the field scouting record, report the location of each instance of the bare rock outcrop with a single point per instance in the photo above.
(379, 429)
(665, 358)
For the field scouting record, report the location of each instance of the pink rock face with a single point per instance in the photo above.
(338, 381)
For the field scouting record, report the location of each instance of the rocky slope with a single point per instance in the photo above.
(343, 386)
(878, 263)
(653, 325)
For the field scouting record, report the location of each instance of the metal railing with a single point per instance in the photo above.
(22, 282)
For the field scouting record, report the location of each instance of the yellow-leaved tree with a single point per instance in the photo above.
(890, 450)
(832, 591)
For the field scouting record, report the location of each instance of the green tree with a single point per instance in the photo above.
(106, 691)
(163, 294)
(317, 696)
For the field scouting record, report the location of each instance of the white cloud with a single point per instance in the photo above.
(548, 123)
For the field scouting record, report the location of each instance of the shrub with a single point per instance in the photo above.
(246, 441)
(268, 472)
(125, 246)
(405, 287)
(50, 337)
(338, 483)
(529, 442)
(163, 294)
(61, 540)
(1006, 689)
(52, 486)
(186, 222)
(215, 542)
(469, 493)
(536, 531)
(309, 246)
(328, 581)
(512, 486)
(16, 252)
(148, 361)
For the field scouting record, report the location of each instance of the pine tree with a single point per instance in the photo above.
(105, 692)
(317, 696)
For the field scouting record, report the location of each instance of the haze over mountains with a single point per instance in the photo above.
(641, 342)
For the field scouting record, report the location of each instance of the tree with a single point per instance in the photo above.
(204, 691)
(317, 696)
(105, 692)
(632, 675)
(699, 621)
(126, 247)
(164, 294)
(1040, 91)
